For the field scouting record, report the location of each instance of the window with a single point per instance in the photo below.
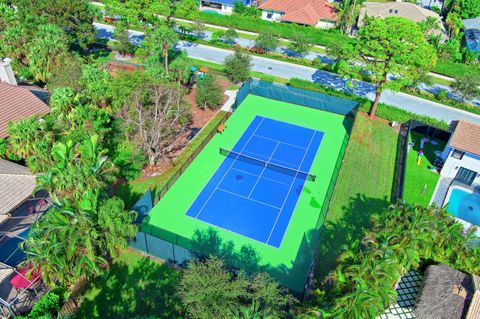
(391, 10)
(457, 154)
(465, 176)
(396, 11)
(269, 15)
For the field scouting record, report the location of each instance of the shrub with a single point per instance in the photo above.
(209, 93)
(442, 95)
(47, 306)
(267, 41)
(237, 66)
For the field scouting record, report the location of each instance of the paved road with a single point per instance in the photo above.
(289, 70)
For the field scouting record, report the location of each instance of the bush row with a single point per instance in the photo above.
(455, 70)
(384, 111)
(285, 30)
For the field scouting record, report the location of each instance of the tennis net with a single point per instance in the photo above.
(269, 165)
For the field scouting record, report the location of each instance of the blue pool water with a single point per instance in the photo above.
(212, 12)
(465, 205)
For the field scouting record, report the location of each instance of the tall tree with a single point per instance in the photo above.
(209, 93)
(470, 9)
(160, 42)
(180, 8)
(394, 52)
(157, 117)
(347, 13)
(266, 40)
(299, 44)
(429, 25)
(468, 86)
(47, 51)
(76, 239)
(73, 16)
(209, 290)
(75, 169)
(238, 66)
(229, 36)
(30, 139)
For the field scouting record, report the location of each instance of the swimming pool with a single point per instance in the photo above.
(465, 205)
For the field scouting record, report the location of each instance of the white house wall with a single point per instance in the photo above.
(325, 24)
(468, 161)
(227, 9)
(276, 16)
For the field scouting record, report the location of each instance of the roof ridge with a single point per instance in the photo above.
(10, 174)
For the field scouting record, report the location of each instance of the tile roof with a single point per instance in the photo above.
(472, 23)
(17, 183)
(302, 11)
(466, 137)
(17, 102)
(398, 9)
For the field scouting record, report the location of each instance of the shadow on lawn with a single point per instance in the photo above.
(146, 289)
(352, 226)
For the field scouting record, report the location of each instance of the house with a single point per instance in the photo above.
(18, 211)
(17, 101)
(17, 184)
(447, 293)
(405, 10)
(472, 34)
(222, 6)
(319, 13)
(461, 156)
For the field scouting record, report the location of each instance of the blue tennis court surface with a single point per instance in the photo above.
(252, 199)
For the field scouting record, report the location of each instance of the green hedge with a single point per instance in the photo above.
(384, 111)
(455, 70)
(285, 30)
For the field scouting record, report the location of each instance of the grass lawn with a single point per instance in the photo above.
(420, 181)
(364, 187)
(135, 287)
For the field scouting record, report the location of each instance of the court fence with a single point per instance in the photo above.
(169, 246)
(289, 94)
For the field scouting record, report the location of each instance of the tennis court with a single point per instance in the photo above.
(256, 188)
(256, 193)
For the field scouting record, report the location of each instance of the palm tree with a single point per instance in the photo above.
(29, 140)
(62, 102)
(75, 240)
(62, 244)
(162, 38)
(76, 169)
(429, 25)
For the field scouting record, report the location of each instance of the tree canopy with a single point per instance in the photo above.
(393, 51)
(73, 16)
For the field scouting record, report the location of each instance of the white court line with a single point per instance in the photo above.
(286, 197)
(269, 138)
(263, 170)
(232, 232)
(267, 178)
(225, 174)
(251, 199)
